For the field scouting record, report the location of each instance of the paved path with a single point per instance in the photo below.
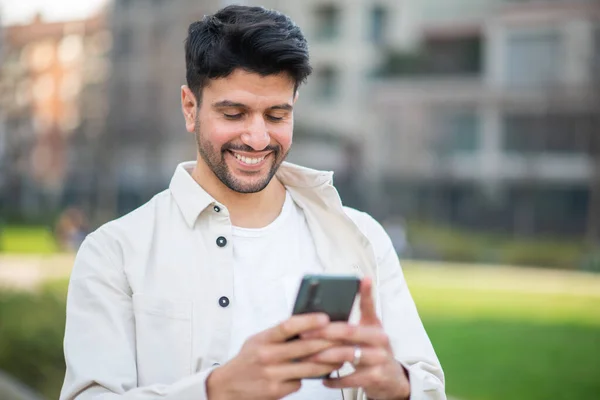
(503, 278)
(28, 272)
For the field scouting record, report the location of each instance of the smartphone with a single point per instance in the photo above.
(330, 294)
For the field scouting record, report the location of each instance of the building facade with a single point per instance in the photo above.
(448, 110)
(46, 69)
(145, 136)
(502, 127)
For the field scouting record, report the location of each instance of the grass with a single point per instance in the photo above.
(27, 240)
(490, 359)
(506, 343)
(500, 333)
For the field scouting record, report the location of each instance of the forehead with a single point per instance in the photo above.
(250, 88)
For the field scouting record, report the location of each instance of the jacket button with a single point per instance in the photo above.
(221, 241)
(217, 208)
(224, 301)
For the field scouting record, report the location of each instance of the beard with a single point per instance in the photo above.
(215, 160)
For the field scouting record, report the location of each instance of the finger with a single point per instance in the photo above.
(339, 355)
(294, 350)
(351, 334)
(379, 381)
(358, 379)
(302, 370)
(293, 326)
(368, 315)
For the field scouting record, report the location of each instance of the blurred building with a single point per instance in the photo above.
(3, 138)
(145, 138)
(494, 120)
(347, 41)
(350, 42)
(46, 70)
(452, 111)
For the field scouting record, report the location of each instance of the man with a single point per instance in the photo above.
(189, 296)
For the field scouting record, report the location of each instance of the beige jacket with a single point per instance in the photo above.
(143, 314)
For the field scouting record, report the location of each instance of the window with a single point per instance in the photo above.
(534, 59)
(459, 131)
(556, 133)
(378, 25)
(449, 56)
(327, 22)
(455, 56)
(327, 84)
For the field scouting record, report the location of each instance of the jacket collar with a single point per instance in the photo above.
(192, 199)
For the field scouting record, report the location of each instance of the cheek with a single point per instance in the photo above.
(218, 132)
(283, 135)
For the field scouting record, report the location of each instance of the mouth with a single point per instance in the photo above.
(249, 161)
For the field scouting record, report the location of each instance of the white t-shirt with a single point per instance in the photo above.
(268, 265)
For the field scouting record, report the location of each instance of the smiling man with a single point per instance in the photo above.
(189, 296)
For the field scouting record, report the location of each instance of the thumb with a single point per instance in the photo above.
(368, 315)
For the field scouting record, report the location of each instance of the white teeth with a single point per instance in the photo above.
(248, 160)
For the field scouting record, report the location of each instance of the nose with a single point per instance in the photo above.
(256, 135)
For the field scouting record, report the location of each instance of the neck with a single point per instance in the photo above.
(246, 210)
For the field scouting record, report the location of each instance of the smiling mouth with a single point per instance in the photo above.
(249, 160)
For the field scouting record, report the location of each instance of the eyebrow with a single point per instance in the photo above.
(228, 103)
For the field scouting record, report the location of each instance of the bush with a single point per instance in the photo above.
(456, 245)
(31, 335)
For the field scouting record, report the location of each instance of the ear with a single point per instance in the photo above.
(189, 107)
(296, 96)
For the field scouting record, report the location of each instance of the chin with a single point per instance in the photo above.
(242, 184)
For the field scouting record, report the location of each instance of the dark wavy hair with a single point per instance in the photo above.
(254, 39)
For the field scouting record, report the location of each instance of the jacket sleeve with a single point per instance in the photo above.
(401, 321)
(99, 344)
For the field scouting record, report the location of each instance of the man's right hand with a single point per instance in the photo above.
(270, 367)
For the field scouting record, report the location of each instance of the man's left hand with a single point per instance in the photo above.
(368, 348)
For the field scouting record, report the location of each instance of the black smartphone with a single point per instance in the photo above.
(330, 294)
(333, 295)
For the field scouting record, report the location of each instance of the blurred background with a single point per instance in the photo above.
(469, 128)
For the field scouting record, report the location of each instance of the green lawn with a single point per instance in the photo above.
(499, 333)
(507, 343)
(27, 240)
(31, 334)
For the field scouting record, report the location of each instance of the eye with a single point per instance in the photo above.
(273, 118)
(232, 116)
